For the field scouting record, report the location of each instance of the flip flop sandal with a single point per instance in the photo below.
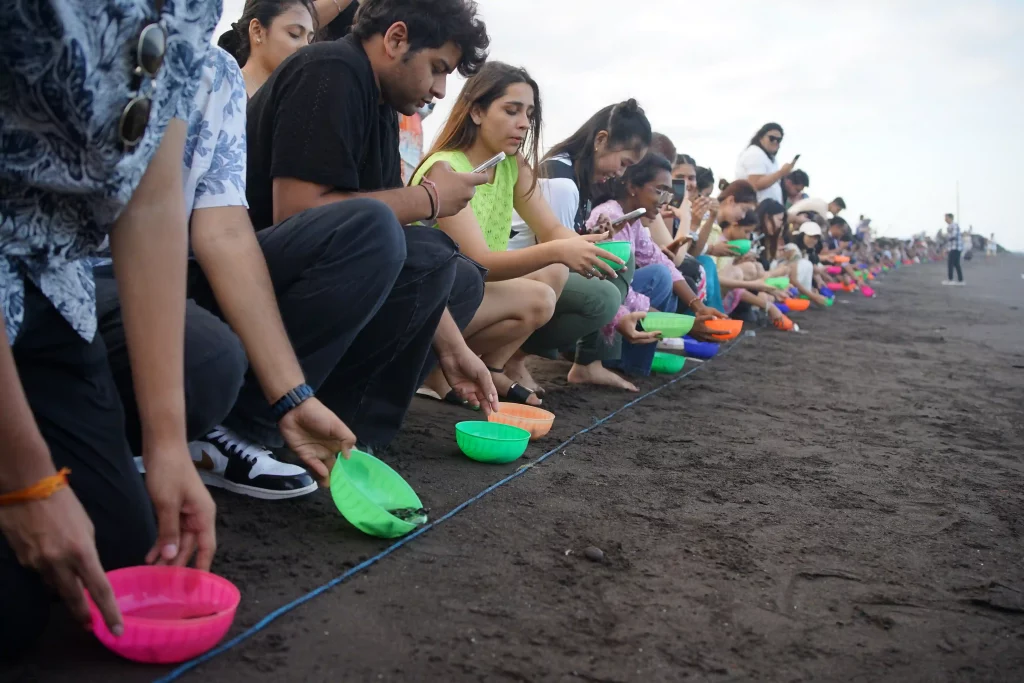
(538, 392)
(517, 393)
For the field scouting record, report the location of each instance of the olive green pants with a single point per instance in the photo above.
(584, 307)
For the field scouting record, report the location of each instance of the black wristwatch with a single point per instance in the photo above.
(291, 401)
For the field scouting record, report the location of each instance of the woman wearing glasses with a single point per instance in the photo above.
(758, 164)
(657, 283)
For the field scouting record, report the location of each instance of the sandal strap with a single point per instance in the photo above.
(517, 393)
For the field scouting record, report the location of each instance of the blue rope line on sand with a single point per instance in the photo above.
(284, 609)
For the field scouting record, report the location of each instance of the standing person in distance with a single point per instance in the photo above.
(954, 252)
(759, 166)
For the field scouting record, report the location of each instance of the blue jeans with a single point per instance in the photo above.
(654, 282)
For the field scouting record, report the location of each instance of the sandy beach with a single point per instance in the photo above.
(858, 518)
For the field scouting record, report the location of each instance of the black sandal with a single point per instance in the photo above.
(517, 393)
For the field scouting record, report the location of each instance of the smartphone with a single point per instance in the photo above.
(490, 163)
(796, 159)
(628, 218)
(678, 192)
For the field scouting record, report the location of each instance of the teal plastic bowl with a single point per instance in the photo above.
(491, 442)
(623, 249)
(667, 363)
(741, 246)
(669, 324)
(367, 492)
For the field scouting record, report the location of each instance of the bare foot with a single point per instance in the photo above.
(516, 371)
(596, 373)
(502, 383)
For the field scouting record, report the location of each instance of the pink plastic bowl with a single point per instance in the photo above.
(171, 614)
(836, 286)
(834, 270)
(867, 291)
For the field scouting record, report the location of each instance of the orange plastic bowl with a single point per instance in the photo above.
(797, 304)
(841, 259)
(724, 330)
(534, 420)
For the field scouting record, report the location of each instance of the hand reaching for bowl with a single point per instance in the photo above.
(185, 512)
(55, 537)
(583, 255)
(722, 249)
(627, 328)
(315, 434)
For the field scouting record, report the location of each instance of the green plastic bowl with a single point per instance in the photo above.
(741, 246)
(622, 249)
(491, 442)
(829, 301)
(667, 363)
(365, 490)
(778, 282)
(669, 324)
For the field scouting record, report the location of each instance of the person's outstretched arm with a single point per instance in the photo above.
(149, 245)
(227, 250)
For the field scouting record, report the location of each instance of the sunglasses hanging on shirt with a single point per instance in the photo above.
(149, 57)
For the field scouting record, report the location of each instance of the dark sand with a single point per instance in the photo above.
(863, 526)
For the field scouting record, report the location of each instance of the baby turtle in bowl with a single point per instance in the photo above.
(417, 516)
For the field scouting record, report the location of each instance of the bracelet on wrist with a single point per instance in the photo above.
(435, 205)
(290, 401)
(41, 490)
(430, 198)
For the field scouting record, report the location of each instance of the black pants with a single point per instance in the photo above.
(953, 264)
(215, 363)
(361, 298)
(75, 402)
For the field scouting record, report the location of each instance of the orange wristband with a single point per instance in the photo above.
(41, 490)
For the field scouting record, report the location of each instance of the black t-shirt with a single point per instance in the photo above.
(319, 119)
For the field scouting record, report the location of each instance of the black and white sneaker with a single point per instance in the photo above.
(227, 461)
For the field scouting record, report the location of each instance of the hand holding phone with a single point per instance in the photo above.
(622, 221)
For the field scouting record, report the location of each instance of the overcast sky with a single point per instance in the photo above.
(888, 103)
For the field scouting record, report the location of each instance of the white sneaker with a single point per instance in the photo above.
(673, 345)
(227, 461)
(947, 283)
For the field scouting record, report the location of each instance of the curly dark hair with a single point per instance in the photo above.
(431, 24)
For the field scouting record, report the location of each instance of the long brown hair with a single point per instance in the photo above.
(482, 90)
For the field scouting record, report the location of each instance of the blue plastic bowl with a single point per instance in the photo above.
(697, 349)
(782, 307)
(826, 292)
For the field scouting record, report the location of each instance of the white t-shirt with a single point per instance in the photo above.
(754, 161)
(562, 196)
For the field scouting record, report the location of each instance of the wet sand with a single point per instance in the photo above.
(844, 504)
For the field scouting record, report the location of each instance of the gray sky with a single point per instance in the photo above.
(888, 103)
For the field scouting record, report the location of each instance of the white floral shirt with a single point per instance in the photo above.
(214, 164)
(65, 78)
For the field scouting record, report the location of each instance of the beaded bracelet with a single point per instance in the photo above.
(41, 490)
